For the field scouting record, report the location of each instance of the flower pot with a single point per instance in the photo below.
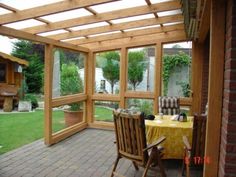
(73, 117)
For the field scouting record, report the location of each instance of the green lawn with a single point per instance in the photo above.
(103, 114)
(17, 129)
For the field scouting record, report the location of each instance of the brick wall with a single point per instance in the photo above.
(227, 162)
(205, 76)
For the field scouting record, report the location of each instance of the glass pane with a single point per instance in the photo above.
(141, 66)
(67, 115)
(103, 110)
(68, 73)
(176, 69)
(143, 105)
(107, 72)
(3, 72)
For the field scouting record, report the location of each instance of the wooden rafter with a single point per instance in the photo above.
(117, 27)
(129, 34)
(47, 10)
(159, 7)
(173, 36)
(23, 35)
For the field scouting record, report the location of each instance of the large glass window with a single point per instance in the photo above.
(103, 110)
(143, 105)
(141, 66)
(68, 72)
(176, 69)
(107, 72)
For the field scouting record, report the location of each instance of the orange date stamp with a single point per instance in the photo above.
(197, 160)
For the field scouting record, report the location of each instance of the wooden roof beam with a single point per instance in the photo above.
(141, 10)
(23, 35)
(173, 36)
(117, 27)
(204, 24)
(47, 9)
(128, 34)
(149, 3)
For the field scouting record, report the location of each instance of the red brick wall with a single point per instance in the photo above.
(205, 76)
(227, 163)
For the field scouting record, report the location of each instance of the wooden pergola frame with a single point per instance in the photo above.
(155, 36)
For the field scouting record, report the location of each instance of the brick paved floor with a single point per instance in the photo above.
(88, 153)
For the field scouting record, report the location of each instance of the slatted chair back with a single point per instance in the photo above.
(199, 134)
(130, 135)
(169, 105)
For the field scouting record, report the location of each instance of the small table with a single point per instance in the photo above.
(173, 131)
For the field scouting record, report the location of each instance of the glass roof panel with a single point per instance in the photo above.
(24, 24)
(123, 4)
(26, 4)
(53, 32)
(145, 27)
(174, 23)
(92, 25)
(65, 40)
(4, 11)
(101, 34)
(171, 12)
(128, 19)
(158, 1)
(67, 15)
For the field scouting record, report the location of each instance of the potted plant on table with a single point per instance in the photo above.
(71, 83)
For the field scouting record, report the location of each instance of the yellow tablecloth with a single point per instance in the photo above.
(173, 131)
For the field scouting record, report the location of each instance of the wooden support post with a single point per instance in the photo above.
(197, 74)
(158, 71)
(48, 75)
(215, 90)
(90, 86)
(123, 76)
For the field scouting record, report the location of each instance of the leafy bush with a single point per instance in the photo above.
(171, 61)
(32, 99)
(71, 83)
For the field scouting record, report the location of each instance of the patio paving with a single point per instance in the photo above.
(90, 153)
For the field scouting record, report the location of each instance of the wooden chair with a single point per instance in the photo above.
(131, 142)
(194, 154)
(168, 105)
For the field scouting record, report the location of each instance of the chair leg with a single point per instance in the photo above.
(135, 166)
(162, 170)
(115, 165)
(150, 159)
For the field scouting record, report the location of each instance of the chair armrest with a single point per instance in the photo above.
(186, 143)
(159, 141)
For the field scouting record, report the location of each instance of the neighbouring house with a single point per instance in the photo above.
(11, 77)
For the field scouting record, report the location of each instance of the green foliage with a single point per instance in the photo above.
(32, 99)
(170, 62)
(111, 70)
(67, 57)
(71, 82)
(185, 89)
(146, 107)
(136, 67)
(33, 54)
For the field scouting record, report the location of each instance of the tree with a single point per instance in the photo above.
(111, 70)
(34, 54)
(136, 67)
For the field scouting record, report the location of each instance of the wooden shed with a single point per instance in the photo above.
(10, 75)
